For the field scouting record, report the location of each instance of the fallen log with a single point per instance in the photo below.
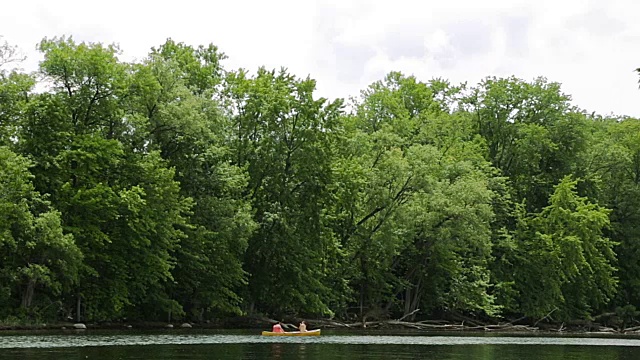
(420, 325)
(634, 328)
(331, 323)
(433, 322)
(426, 325)
(409, 314)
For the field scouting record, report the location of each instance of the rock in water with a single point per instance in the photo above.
(186, 325)
(80, 326)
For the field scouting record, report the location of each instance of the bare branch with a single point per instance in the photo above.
(9, 54)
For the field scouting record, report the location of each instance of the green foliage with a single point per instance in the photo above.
(531, 131)
(414, 198)
(282, 135)
(199, 68)
(37, 259)
(567, 263)
(113, 199)
(173, 106)
(612, 172)
(14, 94)
(173, 188)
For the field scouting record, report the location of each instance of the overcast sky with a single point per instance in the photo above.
(591, 47)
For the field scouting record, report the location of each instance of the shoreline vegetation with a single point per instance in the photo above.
(172, 190)
(382, 326)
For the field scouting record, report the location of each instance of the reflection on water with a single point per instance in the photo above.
(328, 351)
(220, 346)
(85, 339)
(276, 351)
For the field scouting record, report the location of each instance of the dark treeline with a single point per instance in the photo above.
(173, 187)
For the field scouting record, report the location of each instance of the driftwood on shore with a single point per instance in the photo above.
(427, 325)
(456, 323)
(462, 323)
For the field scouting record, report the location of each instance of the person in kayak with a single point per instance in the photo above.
(302, 327)
(277, 327)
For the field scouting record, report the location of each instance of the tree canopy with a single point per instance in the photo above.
(174, 188)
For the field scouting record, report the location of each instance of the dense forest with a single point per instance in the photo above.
(174, 187)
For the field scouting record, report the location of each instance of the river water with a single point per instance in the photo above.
(184, 344)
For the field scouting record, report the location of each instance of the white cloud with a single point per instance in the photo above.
(588, 46)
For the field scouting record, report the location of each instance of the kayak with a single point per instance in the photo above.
(292, 333)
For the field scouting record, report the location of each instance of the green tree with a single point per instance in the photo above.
(281, 134)
(565, 262)
(36, 257)
(172, 94)
(533, 134)
(113, 199)
(413, 208)
(14, 95)
(612, 174)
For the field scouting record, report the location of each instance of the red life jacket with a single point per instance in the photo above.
(277, 328)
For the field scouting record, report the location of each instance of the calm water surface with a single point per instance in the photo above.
(228, 345)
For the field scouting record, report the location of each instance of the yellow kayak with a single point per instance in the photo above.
(292, 333)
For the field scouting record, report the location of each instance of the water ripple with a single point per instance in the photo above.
(84, 340)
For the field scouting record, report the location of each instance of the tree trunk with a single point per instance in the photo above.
(415, 301)
(407, 300)
(412, 300)
(27, 296)
(78, 308)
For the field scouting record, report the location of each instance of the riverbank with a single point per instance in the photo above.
(260, 323)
